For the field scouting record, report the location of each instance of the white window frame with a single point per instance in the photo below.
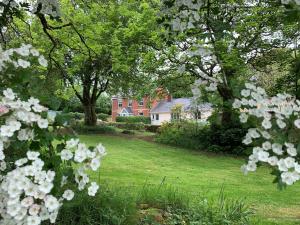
(130, 103)
(120, 103)
(157, 116)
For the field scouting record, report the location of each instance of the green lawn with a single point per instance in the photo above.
(133, 162)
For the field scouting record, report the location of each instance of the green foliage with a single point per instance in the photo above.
(111, 206)
(129, 132)
(73, 104)
(214, 138)
(152, 128)
(128, 126)
(133, 119)
(99, 129)
(159, 205)
(162, 197)
(166, 205)
(181, 133)
(103, 116)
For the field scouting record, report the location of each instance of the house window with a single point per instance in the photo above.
(130, 103)
(141, 103)
(120, 103)
(157, 116)
(153, 116)
(197, 115)
(175, 116)
(141, 113)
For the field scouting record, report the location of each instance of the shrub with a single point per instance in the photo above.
(113, 206)
(213, 138)
(99, 129)
(103, 116)
(64, 164)
(130, 132)
(133, 119)
(152, 128)
(69, 116)
(128, 126)
(230, 139)
(183, 134)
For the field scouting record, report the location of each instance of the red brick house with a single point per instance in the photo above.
(159, 109)
(122, 106)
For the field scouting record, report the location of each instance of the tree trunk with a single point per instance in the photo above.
(227, 113)
(90, 117)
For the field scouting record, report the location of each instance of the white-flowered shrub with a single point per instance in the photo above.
(37, 175)
(40, 167)
(275, 139)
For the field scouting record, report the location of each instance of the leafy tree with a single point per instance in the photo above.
(97, 46)
(217, 41)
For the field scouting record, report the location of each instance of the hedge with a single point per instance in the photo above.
(103, 116)
(133, 119)
(128, 126)
(100, 129)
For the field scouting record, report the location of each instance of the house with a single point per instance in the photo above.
(179, 108)
(122, 106)
(161, 110)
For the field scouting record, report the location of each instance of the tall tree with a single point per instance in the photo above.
(97, 46)
(217, 40)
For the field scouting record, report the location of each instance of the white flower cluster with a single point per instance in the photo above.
(210, 84)
(47, 7)
(79, 153)
(7, 56)
(25, 187)
(186, 19)
(277, 117)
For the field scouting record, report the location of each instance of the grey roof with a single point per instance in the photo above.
(202, 107)
(166, 106)
(128, 110)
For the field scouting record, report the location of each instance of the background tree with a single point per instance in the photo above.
(96, 47)
(216, 41)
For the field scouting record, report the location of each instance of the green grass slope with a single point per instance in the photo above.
(133, 162)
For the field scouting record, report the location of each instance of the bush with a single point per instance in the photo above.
(182, 134)
(133, 119)
(99, 129)
(72, 116)
(128, 126)
(103, 116)
(230, 139)
(130, 132)
(152, 128)
(111, 206)
(213, 138)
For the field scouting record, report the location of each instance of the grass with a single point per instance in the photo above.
(132, 162)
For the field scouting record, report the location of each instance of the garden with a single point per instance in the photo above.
(157, 112)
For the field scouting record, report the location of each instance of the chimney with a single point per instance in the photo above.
(169, 98)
